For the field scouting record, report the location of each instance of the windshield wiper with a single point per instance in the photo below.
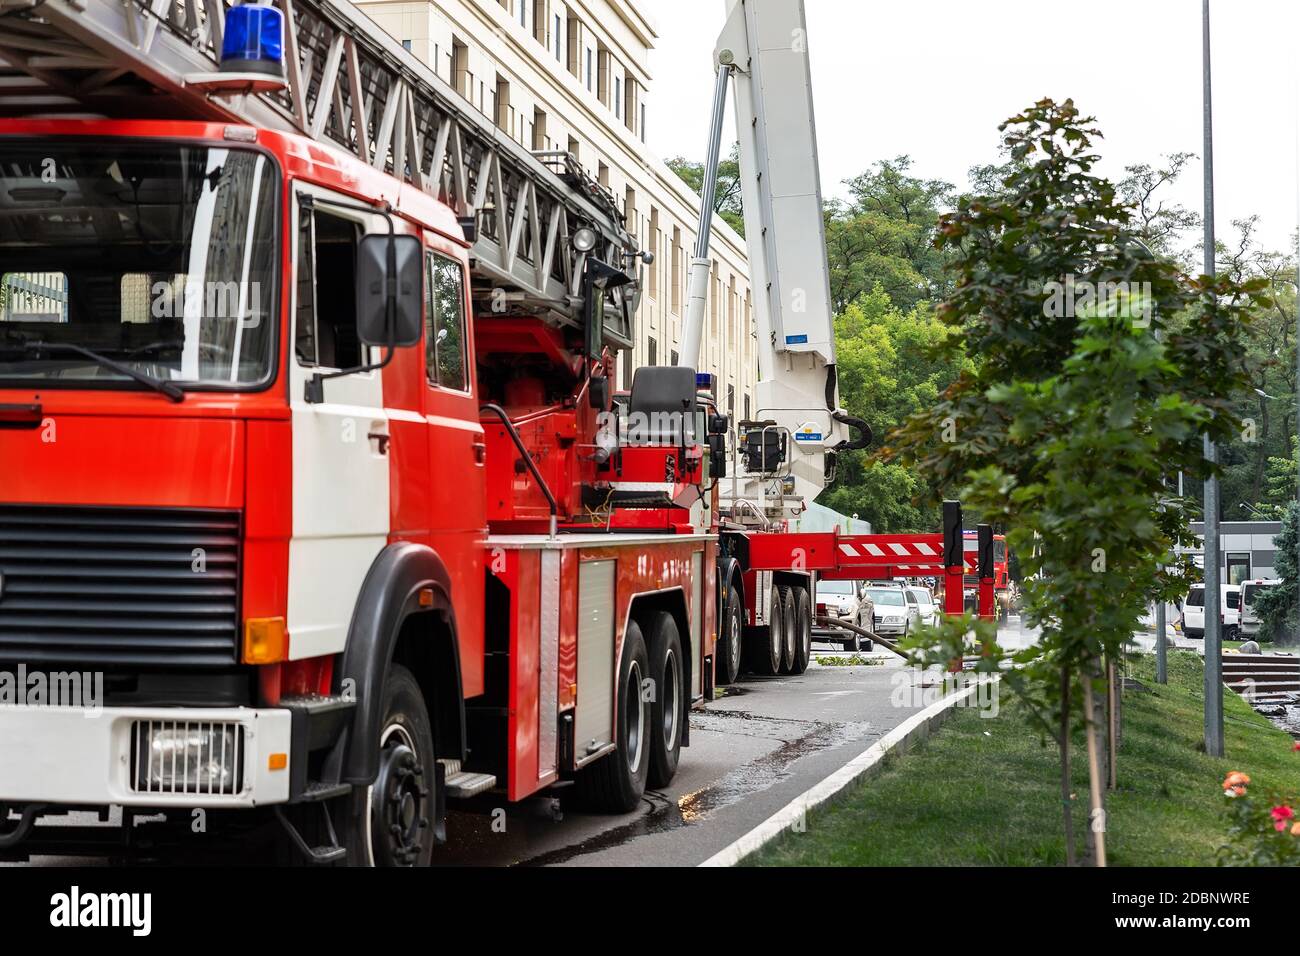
(170, 389)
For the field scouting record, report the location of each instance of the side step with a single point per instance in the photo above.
(461, 785)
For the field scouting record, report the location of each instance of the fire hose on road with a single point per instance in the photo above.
(824, 621)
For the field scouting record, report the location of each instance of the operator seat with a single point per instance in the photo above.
(662, 406)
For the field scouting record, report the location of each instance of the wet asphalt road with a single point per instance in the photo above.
(751, 753)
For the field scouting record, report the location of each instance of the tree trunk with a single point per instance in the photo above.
(1067, 803)
(1112, 725)
(1096, 809)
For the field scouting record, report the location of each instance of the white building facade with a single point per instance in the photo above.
(572, 75)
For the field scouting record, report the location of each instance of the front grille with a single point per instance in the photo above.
(124, 587)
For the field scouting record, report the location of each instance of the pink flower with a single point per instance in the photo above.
(1296, 745)
(1280, 817)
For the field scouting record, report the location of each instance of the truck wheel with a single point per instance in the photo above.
(615, 782)
(790, 633)
(390, 823)
(803, 630)
(765, 644)
(668, 708)
(727, 666)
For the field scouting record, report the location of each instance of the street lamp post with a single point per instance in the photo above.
(1213, 632)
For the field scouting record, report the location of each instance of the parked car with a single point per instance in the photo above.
(894, 612)
(1229, 611)
(1249, 591)
(926, 607)
(844, 600)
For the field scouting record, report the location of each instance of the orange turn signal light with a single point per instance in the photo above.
(266, 640)
(277, 761)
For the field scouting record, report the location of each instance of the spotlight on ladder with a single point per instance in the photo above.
(252, 53)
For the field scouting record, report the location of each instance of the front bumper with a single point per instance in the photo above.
(888, 629)
(69, 755)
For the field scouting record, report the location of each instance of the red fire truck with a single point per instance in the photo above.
(311, 453)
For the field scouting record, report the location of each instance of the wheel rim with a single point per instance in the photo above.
(634, 717)
(672, 677)
(733, 641)
(398, 802)
(791, 637)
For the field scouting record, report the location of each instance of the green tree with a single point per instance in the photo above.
(884, 235)
(1065, 430)
(1279, 607)
(727, 199)
(889, 365)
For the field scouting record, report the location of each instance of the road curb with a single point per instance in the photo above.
(901, 739)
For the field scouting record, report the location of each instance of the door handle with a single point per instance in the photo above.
(381, 440)
(480, 452)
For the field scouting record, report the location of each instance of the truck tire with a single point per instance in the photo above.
(803, 630)
(390, 823)
(668, 707)
(790, 633)
(727, 657)
(616, 781)
(764, 644)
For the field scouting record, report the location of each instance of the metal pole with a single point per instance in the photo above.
(1162, 652)
(697, 283)
(1213, 632)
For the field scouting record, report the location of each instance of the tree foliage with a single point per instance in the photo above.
(884, 235)
(1067, 427)
(727, 200)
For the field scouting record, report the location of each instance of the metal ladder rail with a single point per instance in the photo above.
(110, 56)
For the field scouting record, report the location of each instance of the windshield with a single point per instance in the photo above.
(920, 595)
(886, 596)
(834, 587)
(160, 256)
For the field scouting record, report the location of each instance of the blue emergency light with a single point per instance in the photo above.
(254, 40)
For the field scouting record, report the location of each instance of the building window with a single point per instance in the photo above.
(627, 370)
(731, 401)
(1238, 567)
(461, 78)
(523, 12)
(589, 69)
(629, 104)
(602, 74)
(540, 140)
(573, 149)
(652, 349)
(539, 21)
(654, 248)
(629, 212)
(559, 39)
(602, 174)
(574, 64)
(643, 122)
(406, 45)
(501, 105)
(746, 408)
(618, 97)
(677, 272)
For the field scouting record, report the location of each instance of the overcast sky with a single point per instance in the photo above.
(933, 78)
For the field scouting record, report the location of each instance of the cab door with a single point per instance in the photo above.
(457, 451)
(340, 443)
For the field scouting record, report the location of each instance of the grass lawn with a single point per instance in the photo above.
(985, 791)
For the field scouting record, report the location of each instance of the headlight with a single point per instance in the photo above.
(195, 758)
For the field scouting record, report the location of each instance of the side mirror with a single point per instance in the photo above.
(717, 456)
(389, 290)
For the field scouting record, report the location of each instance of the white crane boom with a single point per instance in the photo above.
(785, 454)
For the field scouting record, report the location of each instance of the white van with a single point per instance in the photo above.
(1249, 591)
(1229, 611)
